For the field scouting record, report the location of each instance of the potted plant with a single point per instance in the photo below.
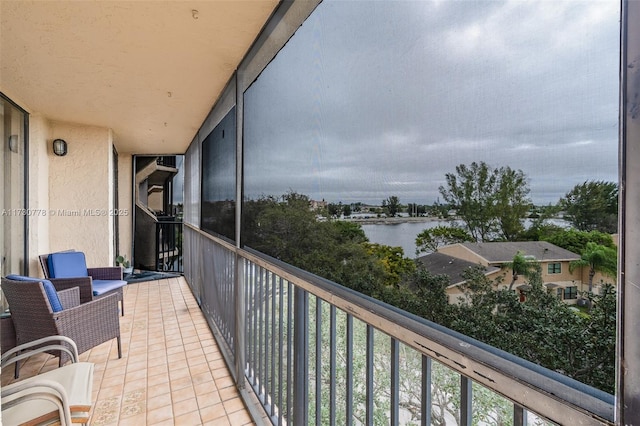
(122, 260)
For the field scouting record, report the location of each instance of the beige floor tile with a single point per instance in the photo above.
(233, 405)
(197, 369)
(220, 373)
(134, 385)
(109, 392)
(189, 419)
(154, 370)
(181, 383)
(113, 380)
(158, 379)
(240, 418)
(186, 406)
(182, 394)
(208, 399)
(222, 421)
(171, 371)
(203, 388)
(196, 357)
(228, 393)
(177, 372)
(212, 412)
(157, 390)
(157, 358)
(205, 377)
(135, 375)
(136, 420)
(179, 357)
(159, 414)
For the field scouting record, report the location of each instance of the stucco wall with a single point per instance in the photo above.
(564, 274)
(38, 191)
(80, 184)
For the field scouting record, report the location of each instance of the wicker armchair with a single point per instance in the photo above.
(88, 324)
(85, 284)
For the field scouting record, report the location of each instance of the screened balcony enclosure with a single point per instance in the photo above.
(480, 120)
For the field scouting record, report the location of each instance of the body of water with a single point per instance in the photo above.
(404, 234)
(399, 234)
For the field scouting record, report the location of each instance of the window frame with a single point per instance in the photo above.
(551, 268)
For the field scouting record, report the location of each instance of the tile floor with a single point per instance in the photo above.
(171, 371)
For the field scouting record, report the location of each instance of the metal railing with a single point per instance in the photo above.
(167, 160)
(315, 352)
(168, 246)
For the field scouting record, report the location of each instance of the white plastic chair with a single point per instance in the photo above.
(62, 395)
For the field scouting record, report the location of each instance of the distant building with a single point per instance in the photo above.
(316, 205)
(554, 261)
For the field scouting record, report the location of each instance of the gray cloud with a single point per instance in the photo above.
(371, 99)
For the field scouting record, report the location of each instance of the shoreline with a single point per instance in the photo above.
(393, 220)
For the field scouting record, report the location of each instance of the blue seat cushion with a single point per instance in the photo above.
(49, 289)
(67, 265)
(104, 286)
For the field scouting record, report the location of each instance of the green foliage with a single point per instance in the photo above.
(393, 262)
(349, 232)
(439, 210)
(576, 241)
(391, 206)
(540, 231)
(520, 265)
(542, 329)
(592, 205)
(285, 228)
(334, 210)
(511, 202)
(599, 342)
(490, 202)
(122, 260)
(597, 258)
(430, 239)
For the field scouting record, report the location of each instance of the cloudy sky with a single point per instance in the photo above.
(377, 98)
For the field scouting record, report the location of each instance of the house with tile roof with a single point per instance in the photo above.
(454, 259)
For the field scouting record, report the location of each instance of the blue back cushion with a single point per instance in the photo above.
(67, 265)
(49, 289)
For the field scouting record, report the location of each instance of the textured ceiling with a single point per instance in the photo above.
(149, 70)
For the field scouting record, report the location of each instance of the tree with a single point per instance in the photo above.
(597, 258)
(392, 259)
(520, 265)
(334, 209)
(592, 205)
(430, 239)
(491, 202)
(576, 241)
(391, 205)
(512, 204)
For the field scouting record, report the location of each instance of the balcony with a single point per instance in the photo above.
(300, 347)
(308, 350)
(171, 370)
(314, 352)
